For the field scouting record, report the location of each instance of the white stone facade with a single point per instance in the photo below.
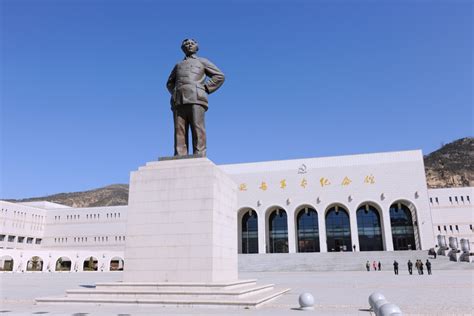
(379, 180)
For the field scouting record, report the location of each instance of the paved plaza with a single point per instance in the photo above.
(446, 292)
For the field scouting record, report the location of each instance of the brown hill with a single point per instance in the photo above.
(112, 195)
(450, 166)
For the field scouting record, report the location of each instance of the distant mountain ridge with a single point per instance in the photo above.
(450, 166)
(111, 195)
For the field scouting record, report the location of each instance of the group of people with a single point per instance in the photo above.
(375, 265)
(418, 264)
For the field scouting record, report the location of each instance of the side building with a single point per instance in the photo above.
(368, 202)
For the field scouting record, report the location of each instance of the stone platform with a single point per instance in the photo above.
(181, 242)
(239, 294)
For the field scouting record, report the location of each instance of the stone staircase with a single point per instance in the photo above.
(341, 261)
(239, 294)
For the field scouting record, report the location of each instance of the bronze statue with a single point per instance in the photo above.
(189, 83)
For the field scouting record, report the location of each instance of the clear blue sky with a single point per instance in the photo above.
(83, 97)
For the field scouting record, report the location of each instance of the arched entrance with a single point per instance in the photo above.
(90, 264)
(278, 231)
(307, 230)
(338, 229)
(116, 264)
(249, 232)
(6, 263)
(63, 264)
(35, 264)
(369, 228)
(403, 232)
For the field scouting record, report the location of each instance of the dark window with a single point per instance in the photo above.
(457, 228)
(456, 198)
(307, 230)
(249, 232)
(369, 229)
(470, 226)
(11, 238)
(436, 199)
(439, 228)
(451, 227)
(431, 200)
(403, 234)
(38, 241)
(467, 198)
(451, 199)
(278, 231)
(445, 228)
(462, 198)
(2, 237)
(338, 230)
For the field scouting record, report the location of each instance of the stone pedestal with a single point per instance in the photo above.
(182, 221)
(181, 243)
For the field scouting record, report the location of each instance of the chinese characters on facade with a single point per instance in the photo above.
(304, 182)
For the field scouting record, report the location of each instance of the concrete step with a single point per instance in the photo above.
(341, 261)
(173, 286)
(243, 294)
(193, 294)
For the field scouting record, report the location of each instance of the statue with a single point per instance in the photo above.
(189, 84)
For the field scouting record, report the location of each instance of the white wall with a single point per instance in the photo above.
(453, 208)
(23, 225)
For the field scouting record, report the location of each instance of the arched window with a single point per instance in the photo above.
(338, 229)
(307, 230)
(403, 233)
(250, 232)
(369, 228)
(278, 231)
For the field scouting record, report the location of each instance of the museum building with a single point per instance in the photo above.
(367, 202)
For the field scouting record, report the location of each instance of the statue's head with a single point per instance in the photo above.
(189, 46)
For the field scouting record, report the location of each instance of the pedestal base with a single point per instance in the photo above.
(239, 294)
(181, 223)
(181, 242)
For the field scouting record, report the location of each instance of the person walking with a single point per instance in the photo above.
(395, 267)
(380, 266)
(417, 265)
(367, 265)
(428, 266)
(374, 265)
(421, 267)
(435, 254)
(410, 267)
